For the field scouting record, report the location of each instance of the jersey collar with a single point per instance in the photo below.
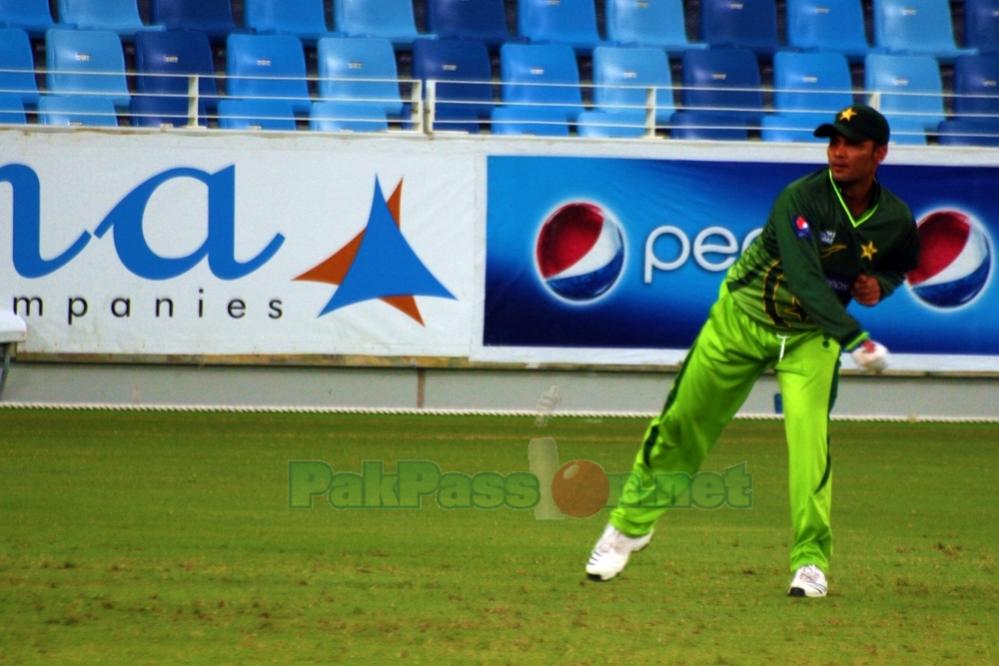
(856, 222)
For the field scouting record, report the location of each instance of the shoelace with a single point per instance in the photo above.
(811, 575)
(618, 543)
(604, 546)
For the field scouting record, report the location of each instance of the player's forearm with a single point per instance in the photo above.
(902, 260)
(830, 315)
(889, 281)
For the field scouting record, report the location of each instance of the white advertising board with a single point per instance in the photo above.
(163, 244)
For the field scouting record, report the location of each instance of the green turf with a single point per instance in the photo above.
(166, 537)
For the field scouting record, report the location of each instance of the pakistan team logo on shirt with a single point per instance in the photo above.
(801, 228)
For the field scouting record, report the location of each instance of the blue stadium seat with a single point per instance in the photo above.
(538, 121)
(976, 85)
(976, 103)
(623, 74)
(790, 127)
(306, 19)
(459, 106)
(622, 124)
(17, 66)
(658, 23)
(707, 126)
(34, 16)
(362, 69)
(721, 88)
(981, 25)
(969, 132)
(76, 110)
(908, 87)
(813, 84)
(393, 20)
(120, 16)
(12, 110)
(827, 25)
(265, 114)
(346, 117)
(748, 24)
(921, 27)
(86, 62)
(525, 69)
(268, 67)
(484, 20)
(808, 88)
(907, 130)
(572, 22)
(163, 62)
(213, 17)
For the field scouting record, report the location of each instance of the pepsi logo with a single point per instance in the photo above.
(580, 252)
(955, 260)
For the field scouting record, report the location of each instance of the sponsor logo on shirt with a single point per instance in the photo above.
(838, 284)
(801, 228)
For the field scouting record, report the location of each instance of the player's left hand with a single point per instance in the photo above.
(866, 290)
(871, 356)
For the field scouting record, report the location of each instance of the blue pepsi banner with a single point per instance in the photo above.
(611, 255)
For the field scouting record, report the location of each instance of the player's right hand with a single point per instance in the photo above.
(866, 290)
(871, 356)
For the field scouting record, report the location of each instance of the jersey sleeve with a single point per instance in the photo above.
(799, 255)
(903, 258)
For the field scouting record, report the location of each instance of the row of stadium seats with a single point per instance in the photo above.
(540, 91)
(899, 26)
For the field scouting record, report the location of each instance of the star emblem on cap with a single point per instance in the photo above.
(867, 250)
(847, 114)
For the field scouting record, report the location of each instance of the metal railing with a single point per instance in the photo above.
(472, 107)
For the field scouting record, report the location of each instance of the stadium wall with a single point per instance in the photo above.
(192, 267)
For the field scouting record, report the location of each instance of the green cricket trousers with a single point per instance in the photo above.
(729, 355)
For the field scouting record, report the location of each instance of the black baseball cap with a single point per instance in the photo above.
(857, 123)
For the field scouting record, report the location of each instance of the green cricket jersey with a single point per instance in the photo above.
(798, 273)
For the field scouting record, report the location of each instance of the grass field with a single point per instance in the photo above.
(147, 537)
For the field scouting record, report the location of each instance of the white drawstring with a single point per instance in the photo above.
(783, 342)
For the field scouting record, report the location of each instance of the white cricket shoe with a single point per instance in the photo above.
(808, 581)
(611, 553)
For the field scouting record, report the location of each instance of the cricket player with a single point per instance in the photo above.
(832, 236)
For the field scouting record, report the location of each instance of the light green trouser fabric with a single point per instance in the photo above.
(729, 355)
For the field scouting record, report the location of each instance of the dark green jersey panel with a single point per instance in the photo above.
(798, 273)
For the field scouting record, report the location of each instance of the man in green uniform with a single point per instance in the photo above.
(832, 236)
